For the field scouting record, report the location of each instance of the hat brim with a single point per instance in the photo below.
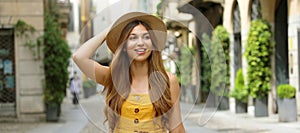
(158, 28)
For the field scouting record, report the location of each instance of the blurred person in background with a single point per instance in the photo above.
(75, 86)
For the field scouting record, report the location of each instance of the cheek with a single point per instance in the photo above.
(130, 52)
(130, 45)
(149, 44)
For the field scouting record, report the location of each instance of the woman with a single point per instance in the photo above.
(140, 95)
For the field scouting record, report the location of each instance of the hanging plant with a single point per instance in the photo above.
(26, 31)
(258, 54)
(22, 28)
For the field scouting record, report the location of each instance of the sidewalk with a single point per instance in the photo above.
(226, 121)
(75, 120)
(223, 122)
(230, 122)
(71, 120)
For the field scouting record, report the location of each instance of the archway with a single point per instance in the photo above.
(281, 46)
(237, 45)
(281, 40)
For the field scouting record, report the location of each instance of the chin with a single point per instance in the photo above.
(141, 58)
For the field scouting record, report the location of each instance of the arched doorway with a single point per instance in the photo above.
(281, 40)
(237, 45)
(281, 47)
(255, 10)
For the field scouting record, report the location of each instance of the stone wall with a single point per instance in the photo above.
(29, 67)
(294, 45)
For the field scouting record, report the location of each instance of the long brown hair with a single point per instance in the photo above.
(118, 80)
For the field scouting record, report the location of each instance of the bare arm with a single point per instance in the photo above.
(82, 57)
(175, 121)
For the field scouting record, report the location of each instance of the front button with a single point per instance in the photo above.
(136, 121)
(136, 110)
(137, 97)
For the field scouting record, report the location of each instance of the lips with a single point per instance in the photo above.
(140, 51)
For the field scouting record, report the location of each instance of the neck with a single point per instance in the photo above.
(139, 74)
(139, 69)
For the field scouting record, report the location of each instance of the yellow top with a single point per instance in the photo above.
(137, 116)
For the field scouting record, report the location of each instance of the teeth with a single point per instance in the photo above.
(140, 50)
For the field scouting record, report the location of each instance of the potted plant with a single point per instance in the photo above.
(186, 54)
(53, 101)
(258, 53)
(220, 60)
(240, 93)
(205, 66)
(287, 108)
(56, 61)
(89, 88)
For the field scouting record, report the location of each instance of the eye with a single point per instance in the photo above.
(132, 38)
(147, 36)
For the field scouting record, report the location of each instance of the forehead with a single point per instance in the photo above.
(138, 29)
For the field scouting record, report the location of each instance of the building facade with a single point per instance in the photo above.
(236, 17)
(21, 59)
(22, 75)
(283, 17)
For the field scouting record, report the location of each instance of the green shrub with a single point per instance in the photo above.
(56, 61)
(186, 61)
(286, 91)
(205, 64)
(240, 92)
(258, 54)
(220, 60)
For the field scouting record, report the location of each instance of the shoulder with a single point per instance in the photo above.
(172, 78)
(174, 86)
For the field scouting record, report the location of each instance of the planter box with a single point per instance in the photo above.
(224, 103)
(89, 91)
(261, 107)
(287, 110)
(211, 100)
(52, 113)
(240, 107)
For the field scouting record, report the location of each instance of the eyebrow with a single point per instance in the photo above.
(146, 33)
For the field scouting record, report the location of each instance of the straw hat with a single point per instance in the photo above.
(158, 28)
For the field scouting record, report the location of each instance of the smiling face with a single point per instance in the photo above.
(139, 44)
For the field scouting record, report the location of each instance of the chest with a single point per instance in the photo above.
(138, 107)
(140, 86)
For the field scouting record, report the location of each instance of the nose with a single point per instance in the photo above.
(140, 42)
